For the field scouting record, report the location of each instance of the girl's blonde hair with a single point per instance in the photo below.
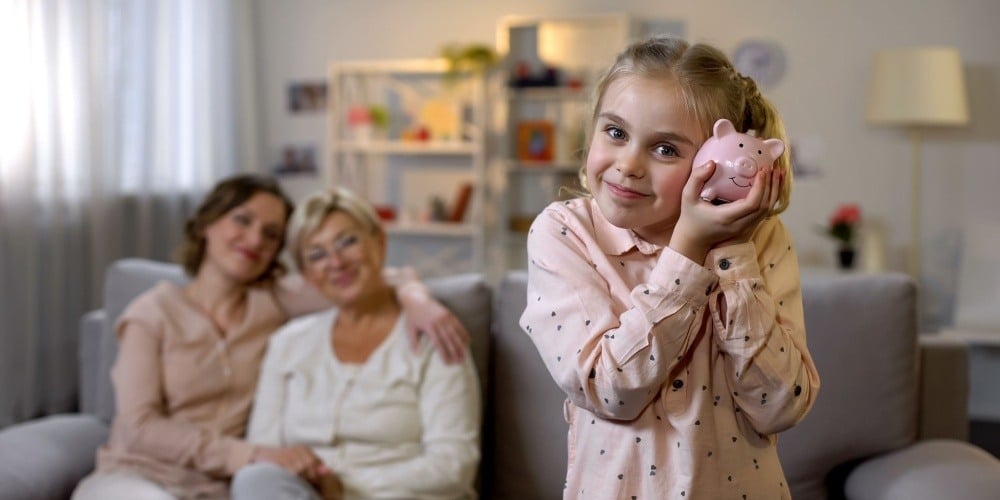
(311, 213)
(711, 88)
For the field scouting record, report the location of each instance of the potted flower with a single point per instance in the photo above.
(843, 228)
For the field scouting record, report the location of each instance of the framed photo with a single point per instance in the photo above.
(296, 160)
(535, 141)
(305, 97)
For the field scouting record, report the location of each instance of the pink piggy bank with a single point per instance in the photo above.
(737, 159)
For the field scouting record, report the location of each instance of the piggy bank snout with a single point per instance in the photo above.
(745, 166)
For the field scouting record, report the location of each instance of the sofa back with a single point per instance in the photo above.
(467, 295)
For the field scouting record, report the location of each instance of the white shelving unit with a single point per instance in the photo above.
(394, 168)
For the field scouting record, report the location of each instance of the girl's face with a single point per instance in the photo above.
(244, 242)
(342, 259)
(640, 156)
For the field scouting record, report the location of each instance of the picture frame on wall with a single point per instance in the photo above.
(535, 141)
(307, 96)
(296, 160)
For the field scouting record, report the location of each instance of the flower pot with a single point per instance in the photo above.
(845, 258)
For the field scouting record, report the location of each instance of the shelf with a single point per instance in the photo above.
(548, 94)
(408, 147)
(543, 168)
(432, 229)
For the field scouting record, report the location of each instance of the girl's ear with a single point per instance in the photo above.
(723, 127)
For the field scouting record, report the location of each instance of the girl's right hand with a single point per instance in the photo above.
(299, 460)
(702, 225)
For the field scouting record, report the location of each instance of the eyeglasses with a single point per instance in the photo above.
(318, 253)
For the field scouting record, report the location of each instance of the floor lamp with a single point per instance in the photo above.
(915, 88)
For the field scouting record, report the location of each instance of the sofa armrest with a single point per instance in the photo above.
(944, 388)
(91, 327)
(927, 470)
(46, 458)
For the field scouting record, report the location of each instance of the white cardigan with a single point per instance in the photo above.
(400, 425)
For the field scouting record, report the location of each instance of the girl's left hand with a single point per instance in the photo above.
(443, 329)
(733, 222)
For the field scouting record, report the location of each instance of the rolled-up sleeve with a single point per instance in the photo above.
(760, 326)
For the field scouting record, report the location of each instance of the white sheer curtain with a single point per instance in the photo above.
(115, 116)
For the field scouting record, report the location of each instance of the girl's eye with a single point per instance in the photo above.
(615, 133)
(666, 150)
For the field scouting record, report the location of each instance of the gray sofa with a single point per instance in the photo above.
(889, 423)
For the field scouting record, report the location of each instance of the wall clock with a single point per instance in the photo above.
(762, 60)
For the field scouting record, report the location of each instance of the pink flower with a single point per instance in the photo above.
(843, 222)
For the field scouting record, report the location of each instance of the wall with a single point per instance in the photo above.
(828, 46)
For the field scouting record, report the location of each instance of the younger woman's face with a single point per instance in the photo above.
(342, 259)
(640, 155)
(244, 242)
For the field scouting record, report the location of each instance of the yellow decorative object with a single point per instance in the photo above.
(441, 118)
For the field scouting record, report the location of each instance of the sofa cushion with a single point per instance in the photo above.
(527, 446)
(928, 470)
(862, 335)
(45, 458)
(470, 298)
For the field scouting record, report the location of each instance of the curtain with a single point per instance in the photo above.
(115, 117)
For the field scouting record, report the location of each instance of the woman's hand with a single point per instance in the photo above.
(443, 329)
(702, 225)
(299, 460)
(329, 486)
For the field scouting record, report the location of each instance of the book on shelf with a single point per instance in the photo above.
(461, 204)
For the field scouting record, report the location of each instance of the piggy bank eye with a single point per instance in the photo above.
(760, 152)
(741, 144)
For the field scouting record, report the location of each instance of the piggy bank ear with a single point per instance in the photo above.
(775, 147)
(723, 127)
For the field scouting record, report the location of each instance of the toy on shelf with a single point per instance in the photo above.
(737, 158)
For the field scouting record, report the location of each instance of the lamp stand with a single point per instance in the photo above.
(915, 203)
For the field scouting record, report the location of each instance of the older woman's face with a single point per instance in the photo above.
(342, 259)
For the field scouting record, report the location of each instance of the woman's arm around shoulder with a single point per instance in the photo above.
(425, 315)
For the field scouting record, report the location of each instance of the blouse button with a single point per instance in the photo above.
(724, 264)
(678, 383)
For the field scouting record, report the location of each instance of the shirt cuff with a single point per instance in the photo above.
(676, 273)
(240, 454)
(734, 262)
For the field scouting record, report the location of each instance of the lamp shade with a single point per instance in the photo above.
(918, 86)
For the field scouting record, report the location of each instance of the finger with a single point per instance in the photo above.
(439, 344)
(456, 344)
(699, 176)
(413, 336)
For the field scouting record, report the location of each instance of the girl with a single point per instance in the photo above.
(674, 326)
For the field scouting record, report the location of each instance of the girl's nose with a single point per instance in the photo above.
(630, 165)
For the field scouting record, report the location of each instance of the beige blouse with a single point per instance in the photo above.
(184, 392)
(668, 396)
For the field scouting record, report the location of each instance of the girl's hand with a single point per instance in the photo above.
(442, 327)
(702, 225)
